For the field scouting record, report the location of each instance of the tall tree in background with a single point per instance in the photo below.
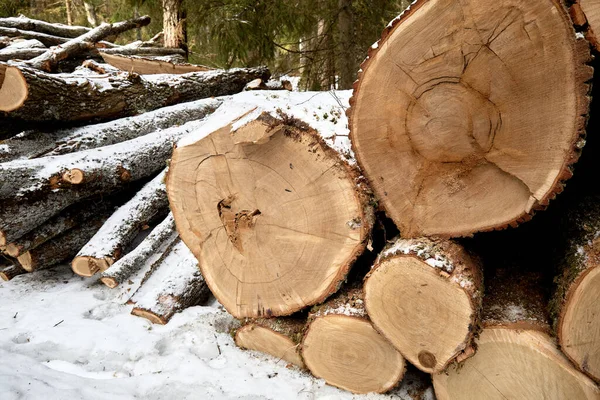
(173, 24)
(347, 68)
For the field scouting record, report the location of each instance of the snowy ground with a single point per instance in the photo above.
(67, 337)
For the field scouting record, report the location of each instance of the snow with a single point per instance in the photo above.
(423, 249)
(323, 111)
(65, 337)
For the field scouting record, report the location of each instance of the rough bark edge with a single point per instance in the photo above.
(295, 128)
(584, 73)
(581, 23)
(455, 271)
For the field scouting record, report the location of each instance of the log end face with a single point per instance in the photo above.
(109, 281)
(26, 261)
(74, 176)
(410, 301)
(264, 340)
(149, 315)
(88, 266)
(13, 88)
(13, 250)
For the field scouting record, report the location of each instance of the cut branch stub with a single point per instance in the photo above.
(275, 216)
(426, 292)
(458, 130)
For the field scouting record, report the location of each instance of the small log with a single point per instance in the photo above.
(9, 272)
(574, 306)
(137, 258)
(272, 84)
(61, 248)
(516, 358)
(426, 292)
(38, 143)
(341, 346)
(175, 285)
(24, 23)
(8, 54)
(277, 337)
(47, 40)
(145, 66)
(100, 68)
(25, 44)
(285, 206)
(109, 243)
(456, 131)
(24, 92)
(49, 60)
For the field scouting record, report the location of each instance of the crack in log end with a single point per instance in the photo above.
(236, 223)
(13, 88)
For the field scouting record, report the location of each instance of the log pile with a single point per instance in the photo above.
(351, 245)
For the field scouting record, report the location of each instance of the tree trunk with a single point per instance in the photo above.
(38, 143)
(145, 66)
(284, 204)
(61, 248)
(347, 68)
(278, 337)
(574, 306)
(109, 243)
(426, 292)
(456, 132)
(342, 347)
(172, 24)
(69, 12)
(24, 92)
(175, 285)
(516, 356)
(90, 14)
(44, 38)
(9, 272)
(49, 60)
(28, 54)
(134, 261)
(29, 24)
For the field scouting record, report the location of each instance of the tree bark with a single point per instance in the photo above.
(347, 64)
(574, 306)
(428, 292)
(175, 285)
(472, 144)
(29, 24)
(340, 341)
(172, 23)
(9, 272)
(38, 143)
(24, 92)
(49, 60)
(28, 54)
(277, 337)
(516, 355)
(109, 243)
(145, 66)
(229, 164)
(46, 39)
(135, 260)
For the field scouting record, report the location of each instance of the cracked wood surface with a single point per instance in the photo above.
(468, 115)
(275, 216)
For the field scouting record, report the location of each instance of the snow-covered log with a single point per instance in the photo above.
(109, 243)
(278, 337)
(341, 346)
(71, 217)
(286, 204)
(175, 284)
(135, 260)
(24, 92)
(145, 66)
(426, 292)
(517, 357)
(574, 307)
(49, 60)
(25, 44)
(9, 272)
(47, 40)
(38, 143)
(61, 248)
(272, 84)
(24, 23)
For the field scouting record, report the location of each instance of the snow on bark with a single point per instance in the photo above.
(22, 22)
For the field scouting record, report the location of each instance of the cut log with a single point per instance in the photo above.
(49, 60)
(25, 44)
(71, 217)
(20, 54)
(24, 92)
(574, 306)
(342, 347)
(38, 143)
(92, 171)
(175, 285)
(143, 51)
(277, 337)
(424, 296)
(61, 248)
(458, 130)
(145, 66)
(137, 258)
(47, 40)
(109, 243)
(9, 272)
(590, 10)
(22, 22)
(264, 202)
(158, 53)
(273, 84)
(516, 356)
